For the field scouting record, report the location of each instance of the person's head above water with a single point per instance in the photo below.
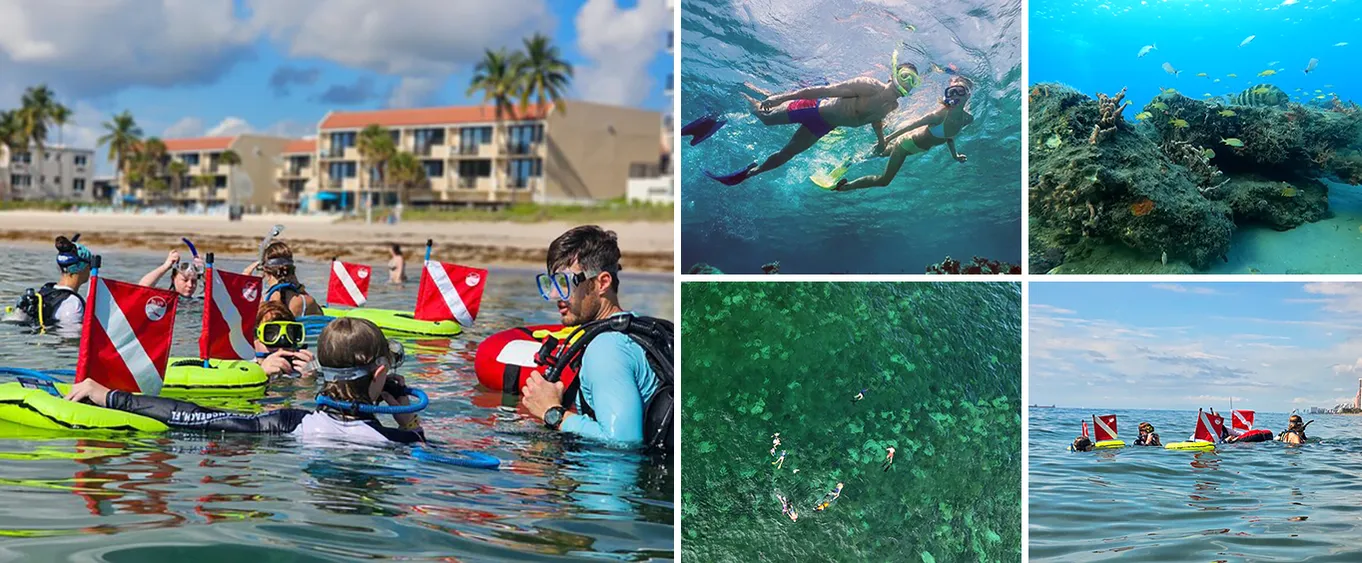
(1146, 428)
(396, 250)
(355, 360)
(957, 92)
(73, 261)
(1295, 423)
(1082, 444)
(184, 278)
(273, 322)
(586, 260)
(278, 263)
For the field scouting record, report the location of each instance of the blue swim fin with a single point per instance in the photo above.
(701, 129)
(734, 178)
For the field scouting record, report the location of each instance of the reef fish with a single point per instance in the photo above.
(1288, 191)
(1168, 68)
(1232, 75)
(1268, 72)
(1344, 44)
(1216, 80)
(1146, 49)
(1261, 95)
(1201, 74)
(1159, 105)
(1247, 40)
(1179, 123)
(1143, 116)
(1169, 91)
(1226, 113)
(1311, 65)
(1232, 141)
(1207, 154)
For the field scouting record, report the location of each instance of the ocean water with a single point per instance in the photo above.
(935, 207)
(182, 495)
(941, 368)
(1092, 46)
(1243, 502)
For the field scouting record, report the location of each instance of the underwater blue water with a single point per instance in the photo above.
(935, 207)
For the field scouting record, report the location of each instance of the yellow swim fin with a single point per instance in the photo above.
(829, 179)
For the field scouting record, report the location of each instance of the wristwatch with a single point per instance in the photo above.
(553, 418)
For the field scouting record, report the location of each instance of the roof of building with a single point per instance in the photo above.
(300, 146)
(198, 144)
(423, 116)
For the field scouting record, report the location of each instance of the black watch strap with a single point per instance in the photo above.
(553, 422)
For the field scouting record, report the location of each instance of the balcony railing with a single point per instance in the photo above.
(334, 152)
(521, 148)
(334, 183)
(468, 182)
(423, 149)
(468, 149)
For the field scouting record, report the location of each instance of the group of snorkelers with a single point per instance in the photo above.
(787, 507)
(1293, 434)
(857, 102)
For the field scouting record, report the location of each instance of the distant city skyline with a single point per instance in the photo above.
(1272, 346)
(226, 67)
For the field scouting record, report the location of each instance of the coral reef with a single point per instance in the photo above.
(703, 268)
(1178, 179)
(1110, 120)
(979, 265)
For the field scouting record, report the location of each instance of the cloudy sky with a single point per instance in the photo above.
(221, 67)
(1273, 346)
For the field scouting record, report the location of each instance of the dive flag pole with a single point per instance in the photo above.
(429, 243)
(207, 302)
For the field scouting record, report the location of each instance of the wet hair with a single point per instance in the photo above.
(273, 311)
(594, 248)
(909, 66)
(347, 343)
(1082, 444)
(397, 250)
(285, 273)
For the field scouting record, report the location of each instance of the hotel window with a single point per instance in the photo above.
(522, 169)
(475, 168)
(81, 159)
(219, 181)
(469, 136)
(340, 141)
(78, 185)
(434, 168)
(191, 159)
(21, 180)
(26, 158)
(342, 170)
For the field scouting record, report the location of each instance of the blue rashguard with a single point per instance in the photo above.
(617, 381)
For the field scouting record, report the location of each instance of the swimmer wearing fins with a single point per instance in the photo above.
(787, 509)
(780, 461)
(828, 499)
(888, 458)
(820, 109)
(860, 395)
(936, 128)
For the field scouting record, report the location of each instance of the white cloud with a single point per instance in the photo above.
(620, 44)
(414, 91)
(185, 127)
(1178, 288)
(230, 126)
(96, 48)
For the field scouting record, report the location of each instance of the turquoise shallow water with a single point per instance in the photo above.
(186, 496)
(1243, 502)
(1328, 246)
(941, 365)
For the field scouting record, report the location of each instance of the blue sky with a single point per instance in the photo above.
(205, 67)
(1272, 346)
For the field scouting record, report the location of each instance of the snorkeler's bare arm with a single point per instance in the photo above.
(924, 120)
(848, 89)
(878, 126)
(950, 143)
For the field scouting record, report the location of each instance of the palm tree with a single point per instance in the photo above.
(376, 146)
(495, 76)
(35, 115)
(543, 73)
(177, 169)
(206, 182)
(61, 116)
(122, 136)
(231, 159)
(10, 133)
(406, 172)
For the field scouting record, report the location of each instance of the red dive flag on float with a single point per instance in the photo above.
(1205, 427)
(125, 341)
(230, 302)
(349, 285)
(1105, 427)
(1243, 420)
(450, 291)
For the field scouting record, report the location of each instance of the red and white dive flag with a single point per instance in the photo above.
(349, 285)
(1085, 428)
(125, 341)
(1243, 420)
(230, 302)
(450, 291)
(1205, 427)
(1105, 427)
(1217, 425)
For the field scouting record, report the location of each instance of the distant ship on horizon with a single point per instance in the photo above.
(1042, 406)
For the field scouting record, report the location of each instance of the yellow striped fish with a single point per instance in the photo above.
(1260, 95)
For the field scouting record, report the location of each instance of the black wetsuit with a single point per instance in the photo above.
(189, 416)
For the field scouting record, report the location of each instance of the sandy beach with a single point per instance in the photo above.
(645, 246)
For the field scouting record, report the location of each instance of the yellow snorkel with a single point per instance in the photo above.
(904, 78)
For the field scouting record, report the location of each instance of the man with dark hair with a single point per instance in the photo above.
(622, 369)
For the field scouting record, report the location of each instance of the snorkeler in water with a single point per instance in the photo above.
(936, 128)
(775, 442)
(860, 395)
(829, 498)
(780, 461)
(888, 458)
(787, 509)
(820, 109)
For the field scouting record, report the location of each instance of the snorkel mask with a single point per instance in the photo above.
(905, 79)
(398, 356)
(1147, 428)
(281, 334)
(73, 258)
(954, 94)
(396, 352)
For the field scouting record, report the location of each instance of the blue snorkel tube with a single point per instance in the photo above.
(422, 401)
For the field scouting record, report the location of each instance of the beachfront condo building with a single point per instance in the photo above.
(296, 176)
(209, 181)
(580, 151)
(654, 184)
(63, 173)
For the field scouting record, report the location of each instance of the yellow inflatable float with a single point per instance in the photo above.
(39, 409)
(400, 322)
(187, 377)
